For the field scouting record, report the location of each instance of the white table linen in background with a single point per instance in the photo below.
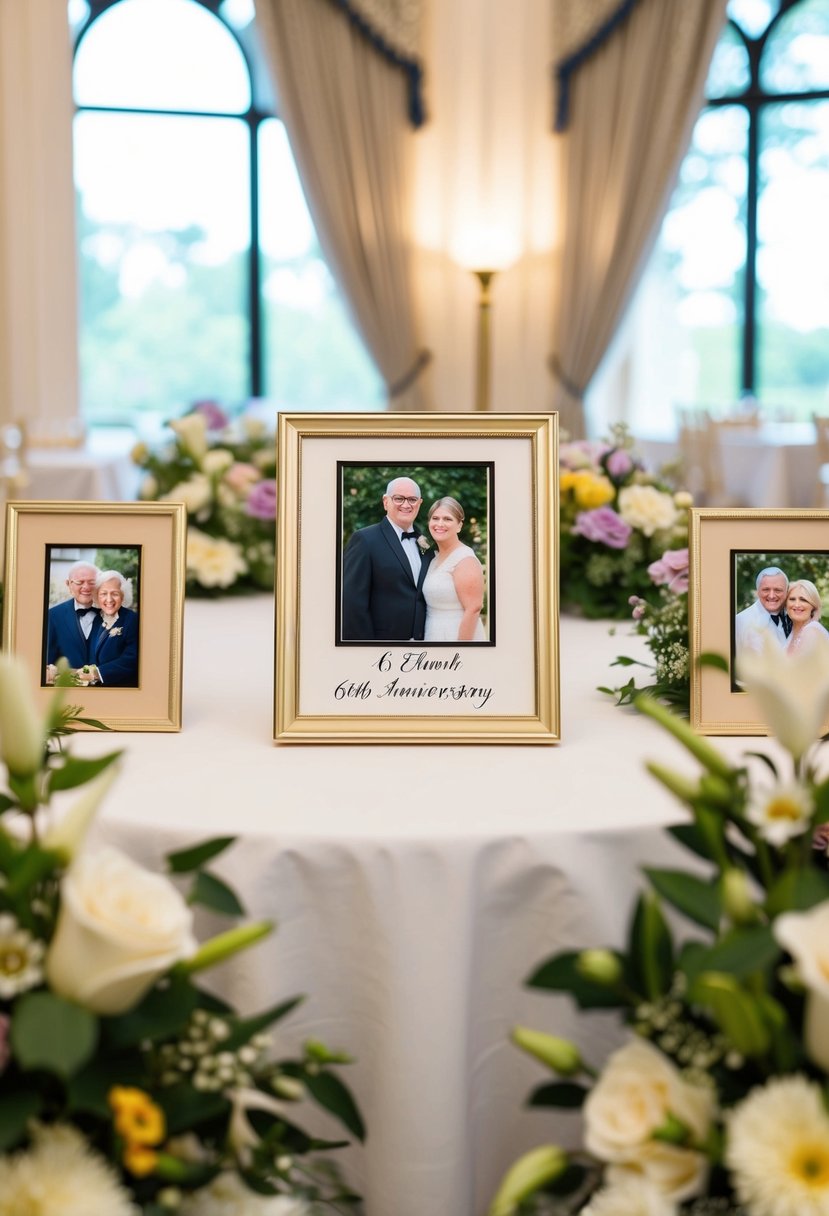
(415, 888)
(98, 471)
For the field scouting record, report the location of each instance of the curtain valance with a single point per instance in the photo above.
(582, 27)
(393, 28)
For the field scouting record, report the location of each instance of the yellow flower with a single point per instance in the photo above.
(591, 490)
(139, 1160)
(567, 480)
(137, 1118)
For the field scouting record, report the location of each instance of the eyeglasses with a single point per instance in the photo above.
(398, 500)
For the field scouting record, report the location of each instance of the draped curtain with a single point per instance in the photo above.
(346, 111)
(38, 273)
(631, 107)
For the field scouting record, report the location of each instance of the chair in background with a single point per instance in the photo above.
(821, 422)
(700, 456)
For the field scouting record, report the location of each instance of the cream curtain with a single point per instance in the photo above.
(632, 107)
(345, 110)
(38, 276)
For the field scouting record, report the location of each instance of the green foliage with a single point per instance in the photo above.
(813, 566)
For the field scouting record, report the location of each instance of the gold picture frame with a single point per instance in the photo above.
(729, 548)
(135, 666)
(502, 687)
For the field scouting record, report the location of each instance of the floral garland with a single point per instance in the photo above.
(716, 1103)
(125, 1088)
(616, 520)
(224, 473)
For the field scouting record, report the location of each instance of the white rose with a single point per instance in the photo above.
(647, 509)
(227, 1195)
(632, 1196)
(217, 460)
(806, 937)
(119, 928)
(194, 493)
(676, 1173)
(254, 428)
(192, 432)
(149, 488)
(637, 1091)
(213, 561)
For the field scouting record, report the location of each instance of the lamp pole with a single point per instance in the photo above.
(485, 278)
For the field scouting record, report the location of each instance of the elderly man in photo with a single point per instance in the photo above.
(74, 624)
(383, 570)
(767, 615)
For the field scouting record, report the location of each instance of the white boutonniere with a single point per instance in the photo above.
(423, 544)
(116, 633)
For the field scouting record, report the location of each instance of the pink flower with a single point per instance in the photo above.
(240, 476)
(603, 526)
(581, 454)
(671, 570)
(261, 503)
(213, 414)
(619, 463)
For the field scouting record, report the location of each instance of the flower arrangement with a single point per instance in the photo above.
(223, 472)
(716, 1101)
(616, 520)
(125, 1087)
(664, 625)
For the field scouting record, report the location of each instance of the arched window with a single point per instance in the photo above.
(735, 300)
(200, 271)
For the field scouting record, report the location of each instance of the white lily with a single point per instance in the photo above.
(241, 1134)
(22, 730)
(806, 937)
(192, 431)
(792, 692)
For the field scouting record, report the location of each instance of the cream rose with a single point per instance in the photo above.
(212, 560)
(192, 431)
(647, 509)
(194, 493)
(632, 1099)
(119, 928)
(217, 460)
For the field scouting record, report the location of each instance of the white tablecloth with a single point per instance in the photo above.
(415, 888)
(99, 471)
(773, 465)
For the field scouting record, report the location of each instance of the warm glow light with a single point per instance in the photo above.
(485, 247)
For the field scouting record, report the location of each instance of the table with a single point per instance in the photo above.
(415, 888)
(772, 465)
(98, 471)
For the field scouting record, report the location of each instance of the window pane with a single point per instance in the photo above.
(163, 216)
(796, 56)
(163, 55)
(315, 359)
(793, 257)
(752, 16)
(729, 72)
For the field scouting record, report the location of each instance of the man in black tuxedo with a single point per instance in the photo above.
(74, 624)
(384, 566)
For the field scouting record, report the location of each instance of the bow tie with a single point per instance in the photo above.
(780, 618)
(408, 535)
(83, 611)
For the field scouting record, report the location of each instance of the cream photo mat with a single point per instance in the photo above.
(518, 677)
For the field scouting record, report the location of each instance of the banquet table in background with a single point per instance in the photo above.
(415, 888)
(772, 465)
(98, 470)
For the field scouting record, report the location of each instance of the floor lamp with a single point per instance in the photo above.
(485, 278)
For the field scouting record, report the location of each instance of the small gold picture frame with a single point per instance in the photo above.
(742, 563)
(361, 657)
(100, 586)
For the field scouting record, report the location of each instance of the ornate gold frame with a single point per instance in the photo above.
(161, 529)
(308, 446)
(717, 709)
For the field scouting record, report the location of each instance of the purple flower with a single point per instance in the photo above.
(619, 463)
(604, 526)
(261, 502)
(581, 454)
(671, 570)
(213, 414)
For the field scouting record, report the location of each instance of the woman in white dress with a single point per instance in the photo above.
(803, 610)
(454, 583)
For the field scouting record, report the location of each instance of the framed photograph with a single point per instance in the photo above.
(755, 575)
(96, 590)
(417, 578)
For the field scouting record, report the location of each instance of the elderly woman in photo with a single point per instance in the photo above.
(115, 653)
(454, 584)
(803, 610)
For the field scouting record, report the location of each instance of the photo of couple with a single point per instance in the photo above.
(787, 605)
(90, 621)
(403, 582)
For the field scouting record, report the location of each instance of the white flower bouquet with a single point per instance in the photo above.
(125, 1088)
(224, 473)
(616, 519)
(717, 1101)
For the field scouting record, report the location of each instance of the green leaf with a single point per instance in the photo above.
(6, 802)
(696, 898)
(691, 838)
(210, 891)
(88, 1089)
(49, 1033)
(651, 948)
(74, 771)
(564, 1094)
(15, 1111)
(622, 660)
(164, 1011)
(183, 861)
(797, 891)
(735, 1011)
(329, 1091)
(243, 1029)
(559, 974)
(185, 1108)
(709, 659)
(741, 953)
